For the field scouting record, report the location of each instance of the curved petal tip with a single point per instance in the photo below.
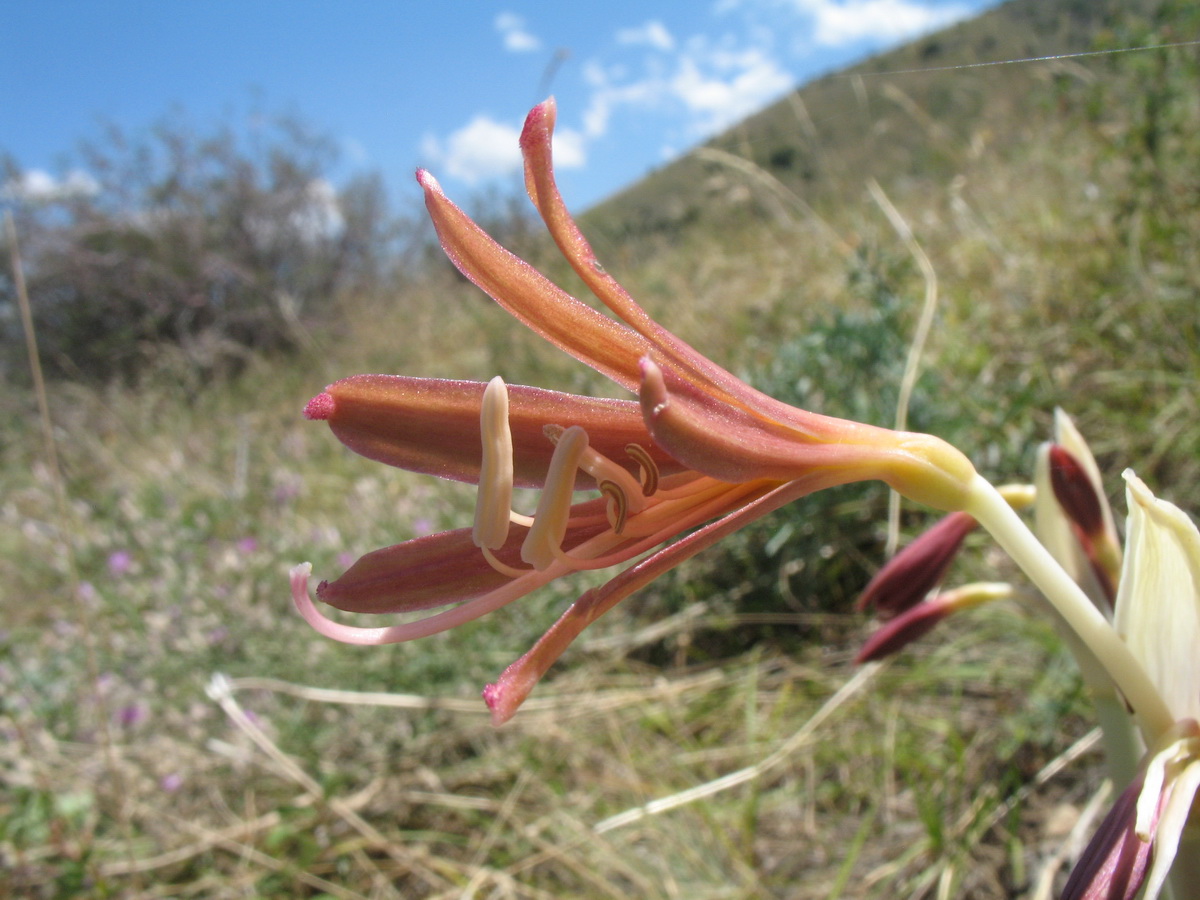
(426, 180)
(494, 697)
(319, 407)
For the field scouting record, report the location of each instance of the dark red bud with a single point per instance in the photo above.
(898, 633)
(1115, 863)
(1075, 492)
(911, 574)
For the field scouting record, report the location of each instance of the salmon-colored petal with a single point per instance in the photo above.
(439, 569)
(432, 425)
(606, 345)
(674, 353)
(429, 571)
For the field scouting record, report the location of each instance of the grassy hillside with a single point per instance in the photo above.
(1057, 204)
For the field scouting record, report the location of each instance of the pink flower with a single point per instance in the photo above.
(120, 562)
(697, 456)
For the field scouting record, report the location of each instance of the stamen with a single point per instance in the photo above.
(649, 468)
(604, 470)
(544, 541)
(502, 567)
(493, 504)
(618, 505)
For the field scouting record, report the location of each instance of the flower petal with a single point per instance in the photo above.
(1158, 601)
(431, 425)
(1068, 436)
(536, 148)
(591, 337)
(438, 569)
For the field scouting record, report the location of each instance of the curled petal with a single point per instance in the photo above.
(730, 444)
(431, 425)
(435, 570)
(536, 149)
(409, 631)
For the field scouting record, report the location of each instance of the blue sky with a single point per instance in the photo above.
(439, 84)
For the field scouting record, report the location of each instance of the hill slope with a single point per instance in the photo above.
(881, 119)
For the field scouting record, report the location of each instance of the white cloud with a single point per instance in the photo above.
(652, 34)
(481, 149)
(722, 86)
(39, 186)
(712, 86)
(839, 22)
(608, 95)
(484, 149)
(517, 38)
(570, 148)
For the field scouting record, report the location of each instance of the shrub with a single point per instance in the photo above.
(216, 244)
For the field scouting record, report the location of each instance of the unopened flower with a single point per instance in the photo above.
(1074, 519)
(911, 574)
(900, 591)
(698, 455)
(918, 620)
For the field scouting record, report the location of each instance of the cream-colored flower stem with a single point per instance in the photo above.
(998, 518)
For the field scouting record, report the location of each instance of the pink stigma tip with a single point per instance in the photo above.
(319, 407)
(491, 695)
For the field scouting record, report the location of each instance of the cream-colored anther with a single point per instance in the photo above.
(610, 477)
(543, 544)
(493, 503)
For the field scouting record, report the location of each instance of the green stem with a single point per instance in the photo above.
(1123, 749)
(1184, 881)
(998, 518)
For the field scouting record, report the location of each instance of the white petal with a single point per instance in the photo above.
(1170, 826)
(1158, 602)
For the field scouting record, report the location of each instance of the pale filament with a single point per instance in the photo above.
(637, 512)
